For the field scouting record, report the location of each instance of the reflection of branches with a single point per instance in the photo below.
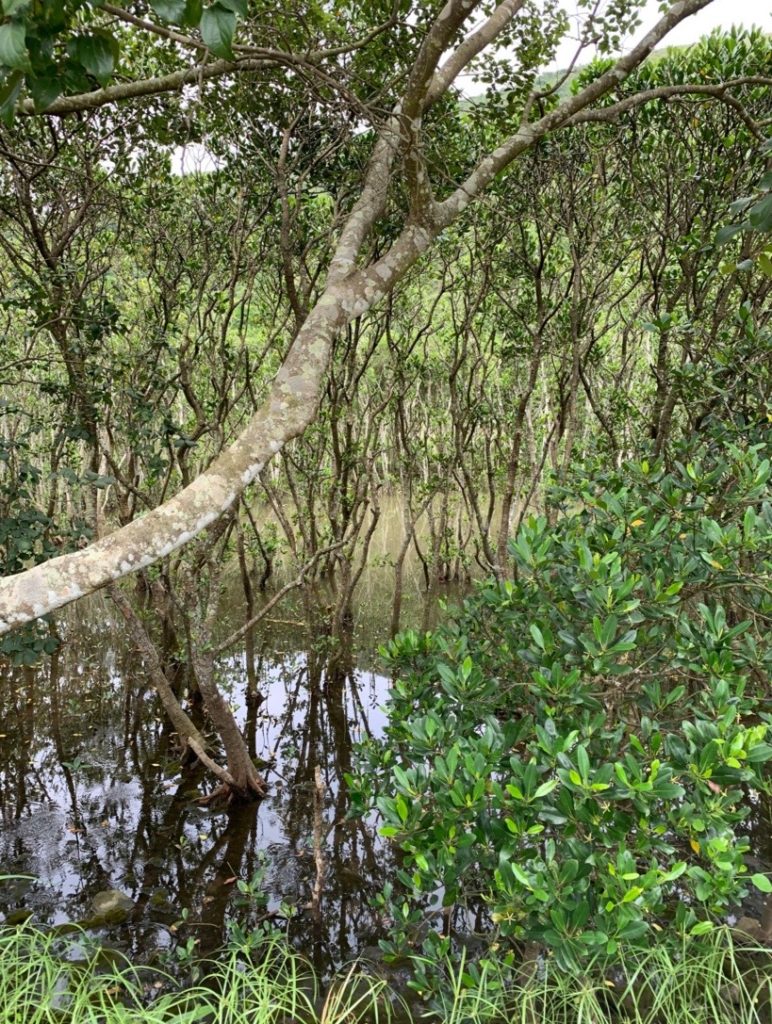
(292, 585)
(357, 702)
(56, 734)
(291, 703)
(157, 834)
(319, 859)
(187, 731)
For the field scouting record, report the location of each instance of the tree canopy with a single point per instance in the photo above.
(360, 95)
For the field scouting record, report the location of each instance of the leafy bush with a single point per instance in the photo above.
(575, 750)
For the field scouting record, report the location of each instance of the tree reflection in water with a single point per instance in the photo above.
(93, 795)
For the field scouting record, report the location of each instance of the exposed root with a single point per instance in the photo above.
(228, 794)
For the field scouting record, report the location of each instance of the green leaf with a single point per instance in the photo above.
(217, 28)
(632, 894)
(727, 232)
(12, 6)
(521, 876)
(762, 883)
(170, 10)
(401, 808)
(760, 215)
(193, 9)
(237, 6)
(13, 47)
(9, 93)
(583, 762)
(44, 90)
(97, 54)
(97, 480)
(537, 635)
(675, 872)
(702, 928)
(545, 788)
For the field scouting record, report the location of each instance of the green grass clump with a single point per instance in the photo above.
(42, 981)
(709, 983)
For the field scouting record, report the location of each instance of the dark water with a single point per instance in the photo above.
(93, 796)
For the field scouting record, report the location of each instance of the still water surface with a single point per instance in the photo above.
(93, 796)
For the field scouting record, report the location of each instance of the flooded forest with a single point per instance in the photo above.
(385, 520)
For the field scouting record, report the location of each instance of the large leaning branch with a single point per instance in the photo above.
(173, 82)
(294, 396)
(721, 92)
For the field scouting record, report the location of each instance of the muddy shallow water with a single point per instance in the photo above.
(93, 796)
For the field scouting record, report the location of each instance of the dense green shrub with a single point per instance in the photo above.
(575, 749)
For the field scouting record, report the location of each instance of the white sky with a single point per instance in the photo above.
(719, 14)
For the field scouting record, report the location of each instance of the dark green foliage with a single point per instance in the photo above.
(27, 535)
(756, 209)
(574, 751)
(51, 48)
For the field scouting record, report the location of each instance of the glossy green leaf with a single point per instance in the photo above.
(762, 882)
(239, 7)
(9, 94)
(217, 28)
(97, 54)
(170, 10)
(13, 46)
(44, 89)
(760, 215)
(729, 231)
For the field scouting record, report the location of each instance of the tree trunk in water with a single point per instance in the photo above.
(513, 463)
(245, 782)
(238, 779)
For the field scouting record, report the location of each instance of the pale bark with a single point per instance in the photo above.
(471, 47)
(294, 396)
(291, 406)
